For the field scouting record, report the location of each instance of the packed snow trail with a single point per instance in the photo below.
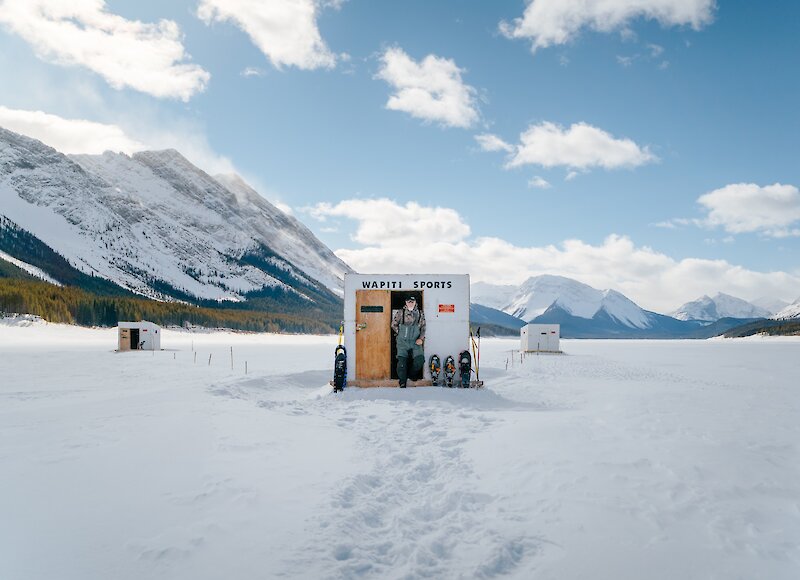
(417, 508)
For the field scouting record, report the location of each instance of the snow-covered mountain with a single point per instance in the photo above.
(585, 312)
(706, 309)
(159, 226)
(539, 293)
(791, 311)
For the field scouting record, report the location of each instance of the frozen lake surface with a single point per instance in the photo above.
(620, 459)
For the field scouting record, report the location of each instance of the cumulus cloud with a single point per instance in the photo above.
(69, 135)
(431, 90)
(284, 30)
(738, 208)
(391, 225)
(489, 142)
(581, 146)
(127, 53)
(554, 22)
(416, 238)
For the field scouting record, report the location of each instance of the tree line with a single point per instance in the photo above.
(71, 305)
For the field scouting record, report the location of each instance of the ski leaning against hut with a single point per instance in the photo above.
(408, 326)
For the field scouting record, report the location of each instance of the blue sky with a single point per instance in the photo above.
(662, 135)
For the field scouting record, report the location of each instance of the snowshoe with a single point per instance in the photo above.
(465, 367)
(339, 369)
(449, 371)
(435, 366)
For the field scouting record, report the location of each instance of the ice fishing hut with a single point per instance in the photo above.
(369, 301)
(142, 335)
(540, 338)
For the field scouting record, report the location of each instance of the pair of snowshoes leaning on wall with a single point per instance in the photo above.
(449, 369)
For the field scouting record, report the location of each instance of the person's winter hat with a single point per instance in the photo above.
(411, 299)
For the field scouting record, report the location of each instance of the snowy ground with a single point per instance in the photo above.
(621, 460)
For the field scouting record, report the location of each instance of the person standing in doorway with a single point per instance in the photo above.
(408, 326)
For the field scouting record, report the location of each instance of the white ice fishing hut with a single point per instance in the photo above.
(142, 335)
(540, 338)
(369, 301)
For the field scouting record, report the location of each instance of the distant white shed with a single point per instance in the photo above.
(540, 338)
(142, 335)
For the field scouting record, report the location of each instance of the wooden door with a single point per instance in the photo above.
(124, 339)
(373, 334)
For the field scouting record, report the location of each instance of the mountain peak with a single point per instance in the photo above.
(722, 305)
(539, 294)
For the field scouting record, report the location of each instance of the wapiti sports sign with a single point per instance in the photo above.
(398, 284)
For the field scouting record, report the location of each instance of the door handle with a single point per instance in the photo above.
(361, 326)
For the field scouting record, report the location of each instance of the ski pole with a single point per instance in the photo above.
(472, 339)
(478, 363)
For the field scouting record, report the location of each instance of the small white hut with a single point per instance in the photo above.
(369, 301)
(141, 335)
(540, 338)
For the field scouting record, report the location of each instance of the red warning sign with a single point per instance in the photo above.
(447, 307)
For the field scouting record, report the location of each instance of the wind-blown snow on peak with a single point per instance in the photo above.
(707, 309)
(539, 293)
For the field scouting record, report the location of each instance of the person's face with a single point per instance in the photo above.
(410, 304)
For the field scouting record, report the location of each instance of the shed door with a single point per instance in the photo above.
(124, 339)
(373, 334)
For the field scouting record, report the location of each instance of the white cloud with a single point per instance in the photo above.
(391, 225)
(538, 182)
(127, 53)
(489, 142)
(414, 238)
(581, 146)
(252, 71)
(746, 207)
(626, 61)
(284, 30)
(431, 90)
(675, 223)
(655, 50)
(553, 22)
(69, 135)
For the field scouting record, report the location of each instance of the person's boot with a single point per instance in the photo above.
(402, 372)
